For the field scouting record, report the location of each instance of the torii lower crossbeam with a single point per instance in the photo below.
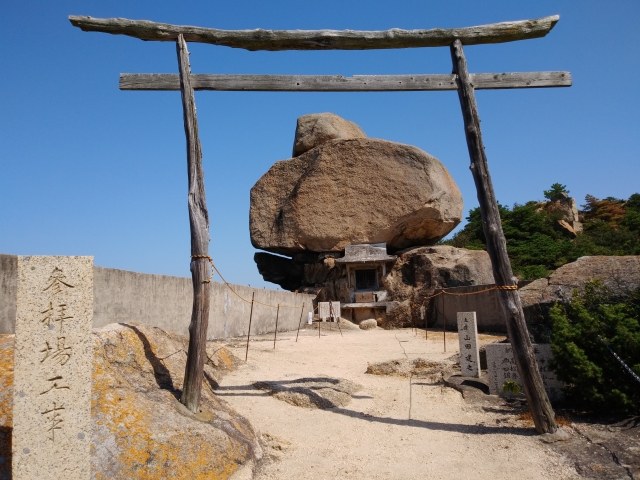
(338, 83)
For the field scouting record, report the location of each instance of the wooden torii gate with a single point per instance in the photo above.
(461, 80)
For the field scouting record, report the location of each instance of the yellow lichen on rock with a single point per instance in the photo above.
(6, 403)
(139, 427)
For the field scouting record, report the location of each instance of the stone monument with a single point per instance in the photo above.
(468, 338)
(502, 368)
(53, 364)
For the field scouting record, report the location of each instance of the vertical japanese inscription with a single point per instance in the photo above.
(468, 338)
(53, 362)
(502, 368)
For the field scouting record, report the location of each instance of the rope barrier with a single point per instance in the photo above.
(624, 365)
(444, 292)
(315, 309)
(215, 269)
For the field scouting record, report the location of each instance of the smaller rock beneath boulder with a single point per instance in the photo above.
(319, 392)
(369, 324)
(317, 128)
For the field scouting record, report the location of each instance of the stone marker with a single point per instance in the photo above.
(53, 362)
(324, 312)
(468, 338)
(502, 368)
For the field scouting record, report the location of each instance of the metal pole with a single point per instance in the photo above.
(246, 355)
(301, 313)
(333, 315)
(275, 333)
(444, 324)
(426, 322)
(413, 325)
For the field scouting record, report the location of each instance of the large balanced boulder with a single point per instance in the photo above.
(352, 191)
(139, 428)
(317, 128)
(620, 275)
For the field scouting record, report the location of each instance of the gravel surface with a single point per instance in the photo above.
(396, 427)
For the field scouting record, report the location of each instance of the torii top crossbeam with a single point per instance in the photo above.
(460, 80)
(321, 39)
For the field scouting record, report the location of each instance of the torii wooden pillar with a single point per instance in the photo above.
(461, 80)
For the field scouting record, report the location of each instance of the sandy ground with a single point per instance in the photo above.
(395, 428)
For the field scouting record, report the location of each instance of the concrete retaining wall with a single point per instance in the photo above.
(166, 302)
(489, 315)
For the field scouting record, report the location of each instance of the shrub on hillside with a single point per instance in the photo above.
(595, 380)
(536, 245)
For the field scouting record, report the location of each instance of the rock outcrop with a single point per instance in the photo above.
(566, 205)
(358, 190)
(621, 275)
(139, 428)
(317, 128)
(369, 324)
(419, 272)
(317, 392)
(314, 273)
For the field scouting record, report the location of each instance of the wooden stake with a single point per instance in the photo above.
(426, 324)
(199, 225)
(541, 410)
(246, 355)
(413, 325)
(300, 322)
(275, 333)
(333, 316)
(444, 323)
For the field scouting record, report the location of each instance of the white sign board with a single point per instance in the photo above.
(502, 368)
(324, 310)
(468, 338)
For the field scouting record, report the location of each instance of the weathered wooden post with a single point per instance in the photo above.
(275, 332)
(541, 411)
(246, 355)
(199, 223)
(300, 322)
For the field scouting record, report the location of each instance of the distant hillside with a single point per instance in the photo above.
(541, 237)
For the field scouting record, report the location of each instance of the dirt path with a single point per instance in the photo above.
(393, 429)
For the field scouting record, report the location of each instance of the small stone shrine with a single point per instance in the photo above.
(53, 362)
(468, 338)
(502, 368)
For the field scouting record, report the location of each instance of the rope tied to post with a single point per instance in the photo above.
(215, 269)
(462, 294)
(208, 280)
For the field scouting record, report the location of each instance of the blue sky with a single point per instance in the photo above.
(89, 170)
